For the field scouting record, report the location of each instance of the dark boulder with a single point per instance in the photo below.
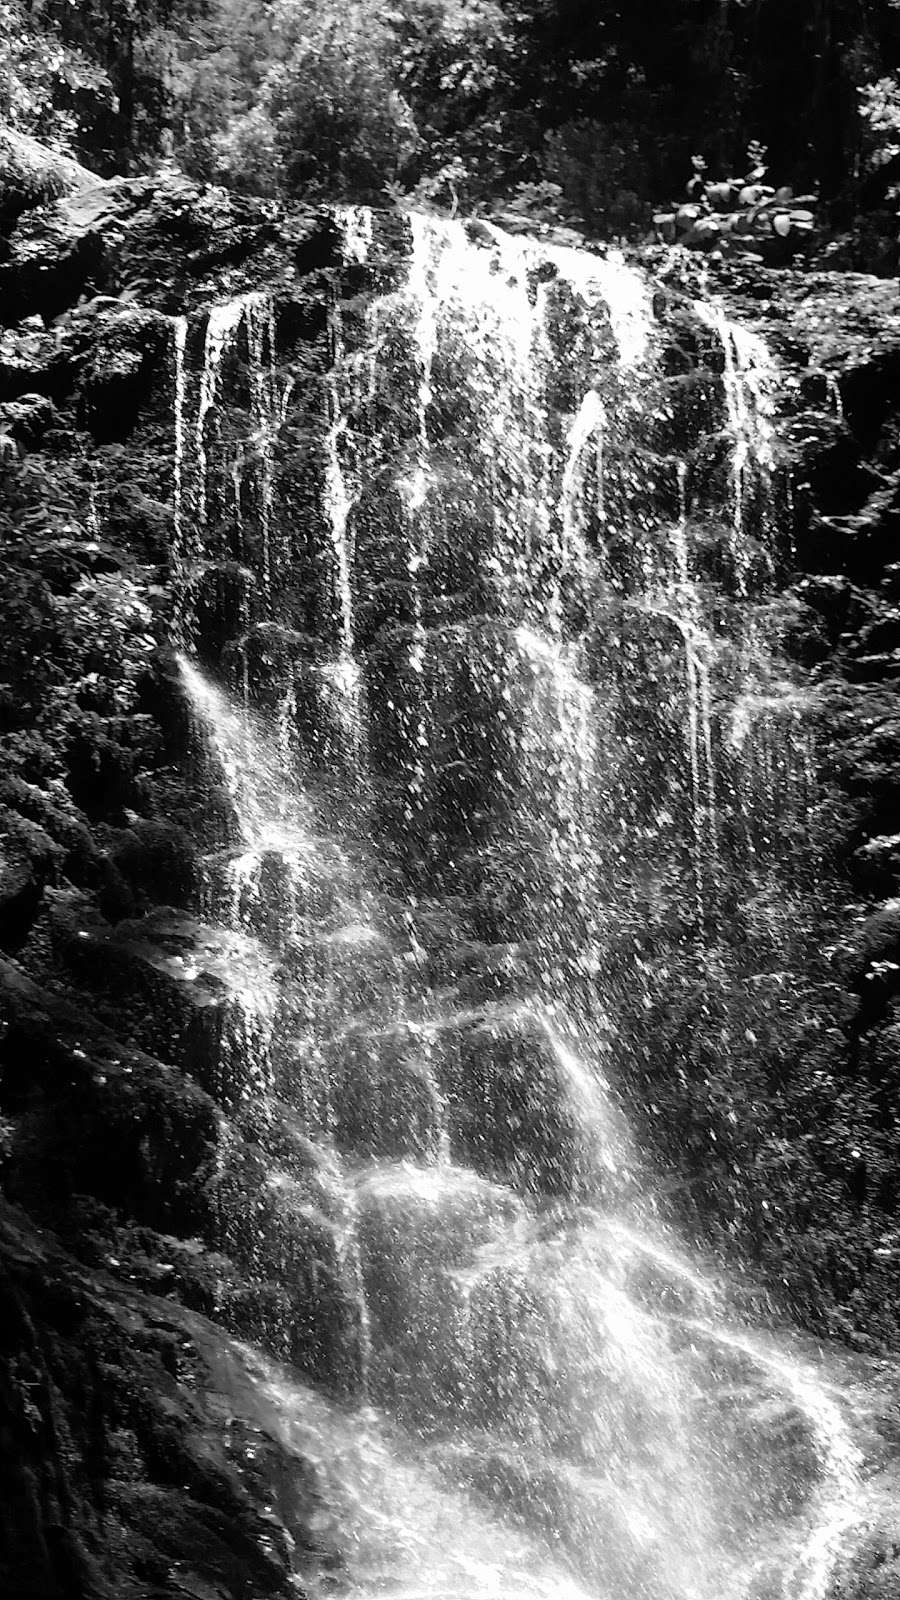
(137, 1459)
(159, 860)
(94, 1115)
(116, 378)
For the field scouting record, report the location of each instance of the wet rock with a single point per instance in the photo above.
(357, 963)
(419, 1227)
(31, 174)
(513, 1110)
(877, 863)
(135, 235)
(93, 1115)
(188, 989)
(81, 860)
(859, 545)
(298, 1290)
(879, 668)
(159, 859)
(119, 372)
(882, 635)
(832, 459)
(597, 1537)
(501, 970)
(20, 894)
(840, 605)
(53, 254)
(268, 652)
(879, 963)
(386, 1101)
(137, 1459)
(31, 359)
(28, 861)
(880, 934)
(872, 1572)
(222, 597)
(26, 420)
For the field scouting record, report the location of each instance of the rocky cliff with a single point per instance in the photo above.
(148, 1218)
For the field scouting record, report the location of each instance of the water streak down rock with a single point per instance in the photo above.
(546, 570)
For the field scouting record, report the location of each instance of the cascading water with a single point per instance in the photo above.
(338, 506)
(221, 328)
(749, 385)
(588, 428)
(526, 560)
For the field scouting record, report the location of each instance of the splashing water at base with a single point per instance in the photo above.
(403, 1533)
(611, 1462)
(840, 1497)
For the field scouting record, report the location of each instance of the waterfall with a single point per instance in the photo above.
(356, 223)
(589, 425)
(547, 574)
(415, 487)
(221, 329)
(179, 344)
(748, 386)
(343, 672)
(268, 414)
(204, 537)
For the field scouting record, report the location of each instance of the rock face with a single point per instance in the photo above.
(125, 1470)
(124, 1475)
(842, 445)
(144, 1193)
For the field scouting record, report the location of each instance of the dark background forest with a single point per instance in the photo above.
(564, 110)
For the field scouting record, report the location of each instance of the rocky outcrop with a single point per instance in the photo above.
(30, 175)
(837, 338)
(129, 1468)
(119, 1140)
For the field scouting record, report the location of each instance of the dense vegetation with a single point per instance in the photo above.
(552, 106)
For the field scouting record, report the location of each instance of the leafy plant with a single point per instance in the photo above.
(880, 111)
(43, 80)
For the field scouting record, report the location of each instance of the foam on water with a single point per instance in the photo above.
(404, 1533)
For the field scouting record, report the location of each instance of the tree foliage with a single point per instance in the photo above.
(46, 83)
(590, 113)
(326, 116)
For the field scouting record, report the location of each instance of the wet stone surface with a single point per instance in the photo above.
(535, 626)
